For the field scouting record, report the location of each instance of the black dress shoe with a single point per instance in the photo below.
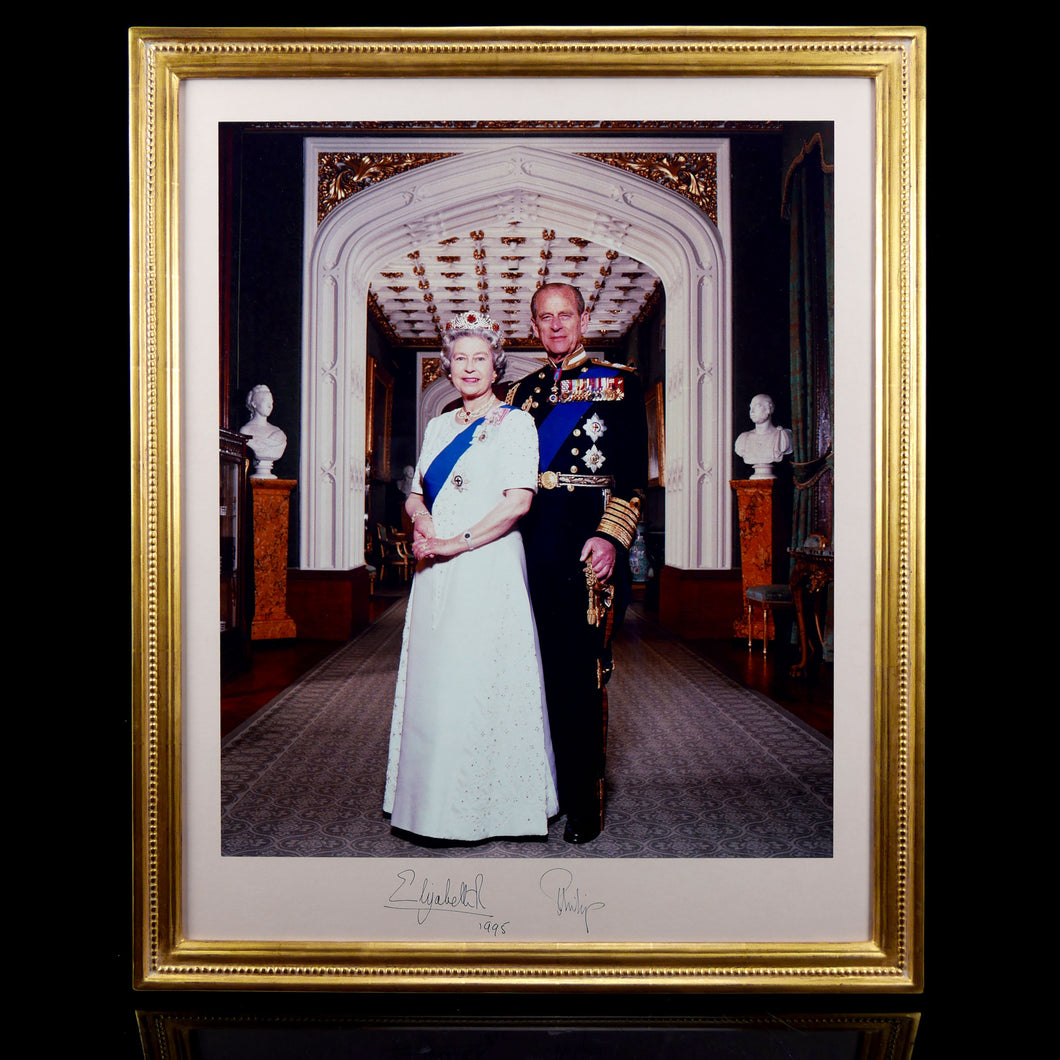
(580, 830)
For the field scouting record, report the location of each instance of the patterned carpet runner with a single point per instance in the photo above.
(698, 765)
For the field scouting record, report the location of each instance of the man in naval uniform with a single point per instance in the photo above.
(592, 437)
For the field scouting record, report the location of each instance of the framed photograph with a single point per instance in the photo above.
(636, 143)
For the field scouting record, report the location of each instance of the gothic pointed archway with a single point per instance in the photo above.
(535, 182)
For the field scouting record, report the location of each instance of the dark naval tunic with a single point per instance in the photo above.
(592, 436)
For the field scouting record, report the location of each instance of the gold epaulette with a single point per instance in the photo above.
(611, 364)
(510, 396)
(620, 520)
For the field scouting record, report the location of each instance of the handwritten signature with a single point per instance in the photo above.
(423, 897)
(557, 886)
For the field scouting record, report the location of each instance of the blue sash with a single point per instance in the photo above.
(560, 421)
(556, 427)
(437, 475)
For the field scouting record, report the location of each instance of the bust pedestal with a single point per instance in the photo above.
(754, 498)
(272, 498)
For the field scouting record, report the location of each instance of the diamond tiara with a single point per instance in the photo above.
(472, 322)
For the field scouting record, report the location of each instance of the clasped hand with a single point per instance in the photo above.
(426, 546)
(423, 547)
(422, 533)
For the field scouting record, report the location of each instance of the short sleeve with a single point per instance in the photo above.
(518, 451)
(425, 457)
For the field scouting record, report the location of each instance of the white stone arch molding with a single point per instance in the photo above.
(536, 182)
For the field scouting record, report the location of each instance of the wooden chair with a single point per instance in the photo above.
(393, 551)
(405, 560)
(369, 565)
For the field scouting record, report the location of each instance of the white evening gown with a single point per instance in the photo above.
(470, 751)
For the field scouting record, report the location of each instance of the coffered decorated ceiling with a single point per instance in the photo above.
(496, 270)
(497, 267)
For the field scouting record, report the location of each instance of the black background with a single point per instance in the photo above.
(82, 959)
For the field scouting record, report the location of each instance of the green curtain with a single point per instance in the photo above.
(809, 208)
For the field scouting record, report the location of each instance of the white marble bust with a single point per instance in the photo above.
(267, 442)
(767, 444)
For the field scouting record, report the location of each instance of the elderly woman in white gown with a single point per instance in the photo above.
(470, 752)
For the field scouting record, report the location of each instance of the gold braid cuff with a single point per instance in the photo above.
(620, 520)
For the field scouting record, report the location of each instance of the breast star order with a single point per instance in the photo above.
(594, 427)
(594, 459)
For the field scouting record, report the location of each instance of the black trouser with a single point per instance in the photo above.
(571, 649)
(554, 532)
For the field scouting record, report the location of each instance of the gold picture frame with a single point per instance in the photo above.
(170, 953)
(655, 407)
(379, 400)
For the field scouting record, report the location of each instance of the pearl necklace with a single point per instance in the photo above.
(466, 415)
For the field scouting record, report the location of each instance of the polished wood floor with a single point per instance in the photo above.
(809, 698)
(276, 664)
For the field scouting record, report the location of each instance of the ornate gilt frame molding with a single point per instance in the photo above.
(890, 957)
